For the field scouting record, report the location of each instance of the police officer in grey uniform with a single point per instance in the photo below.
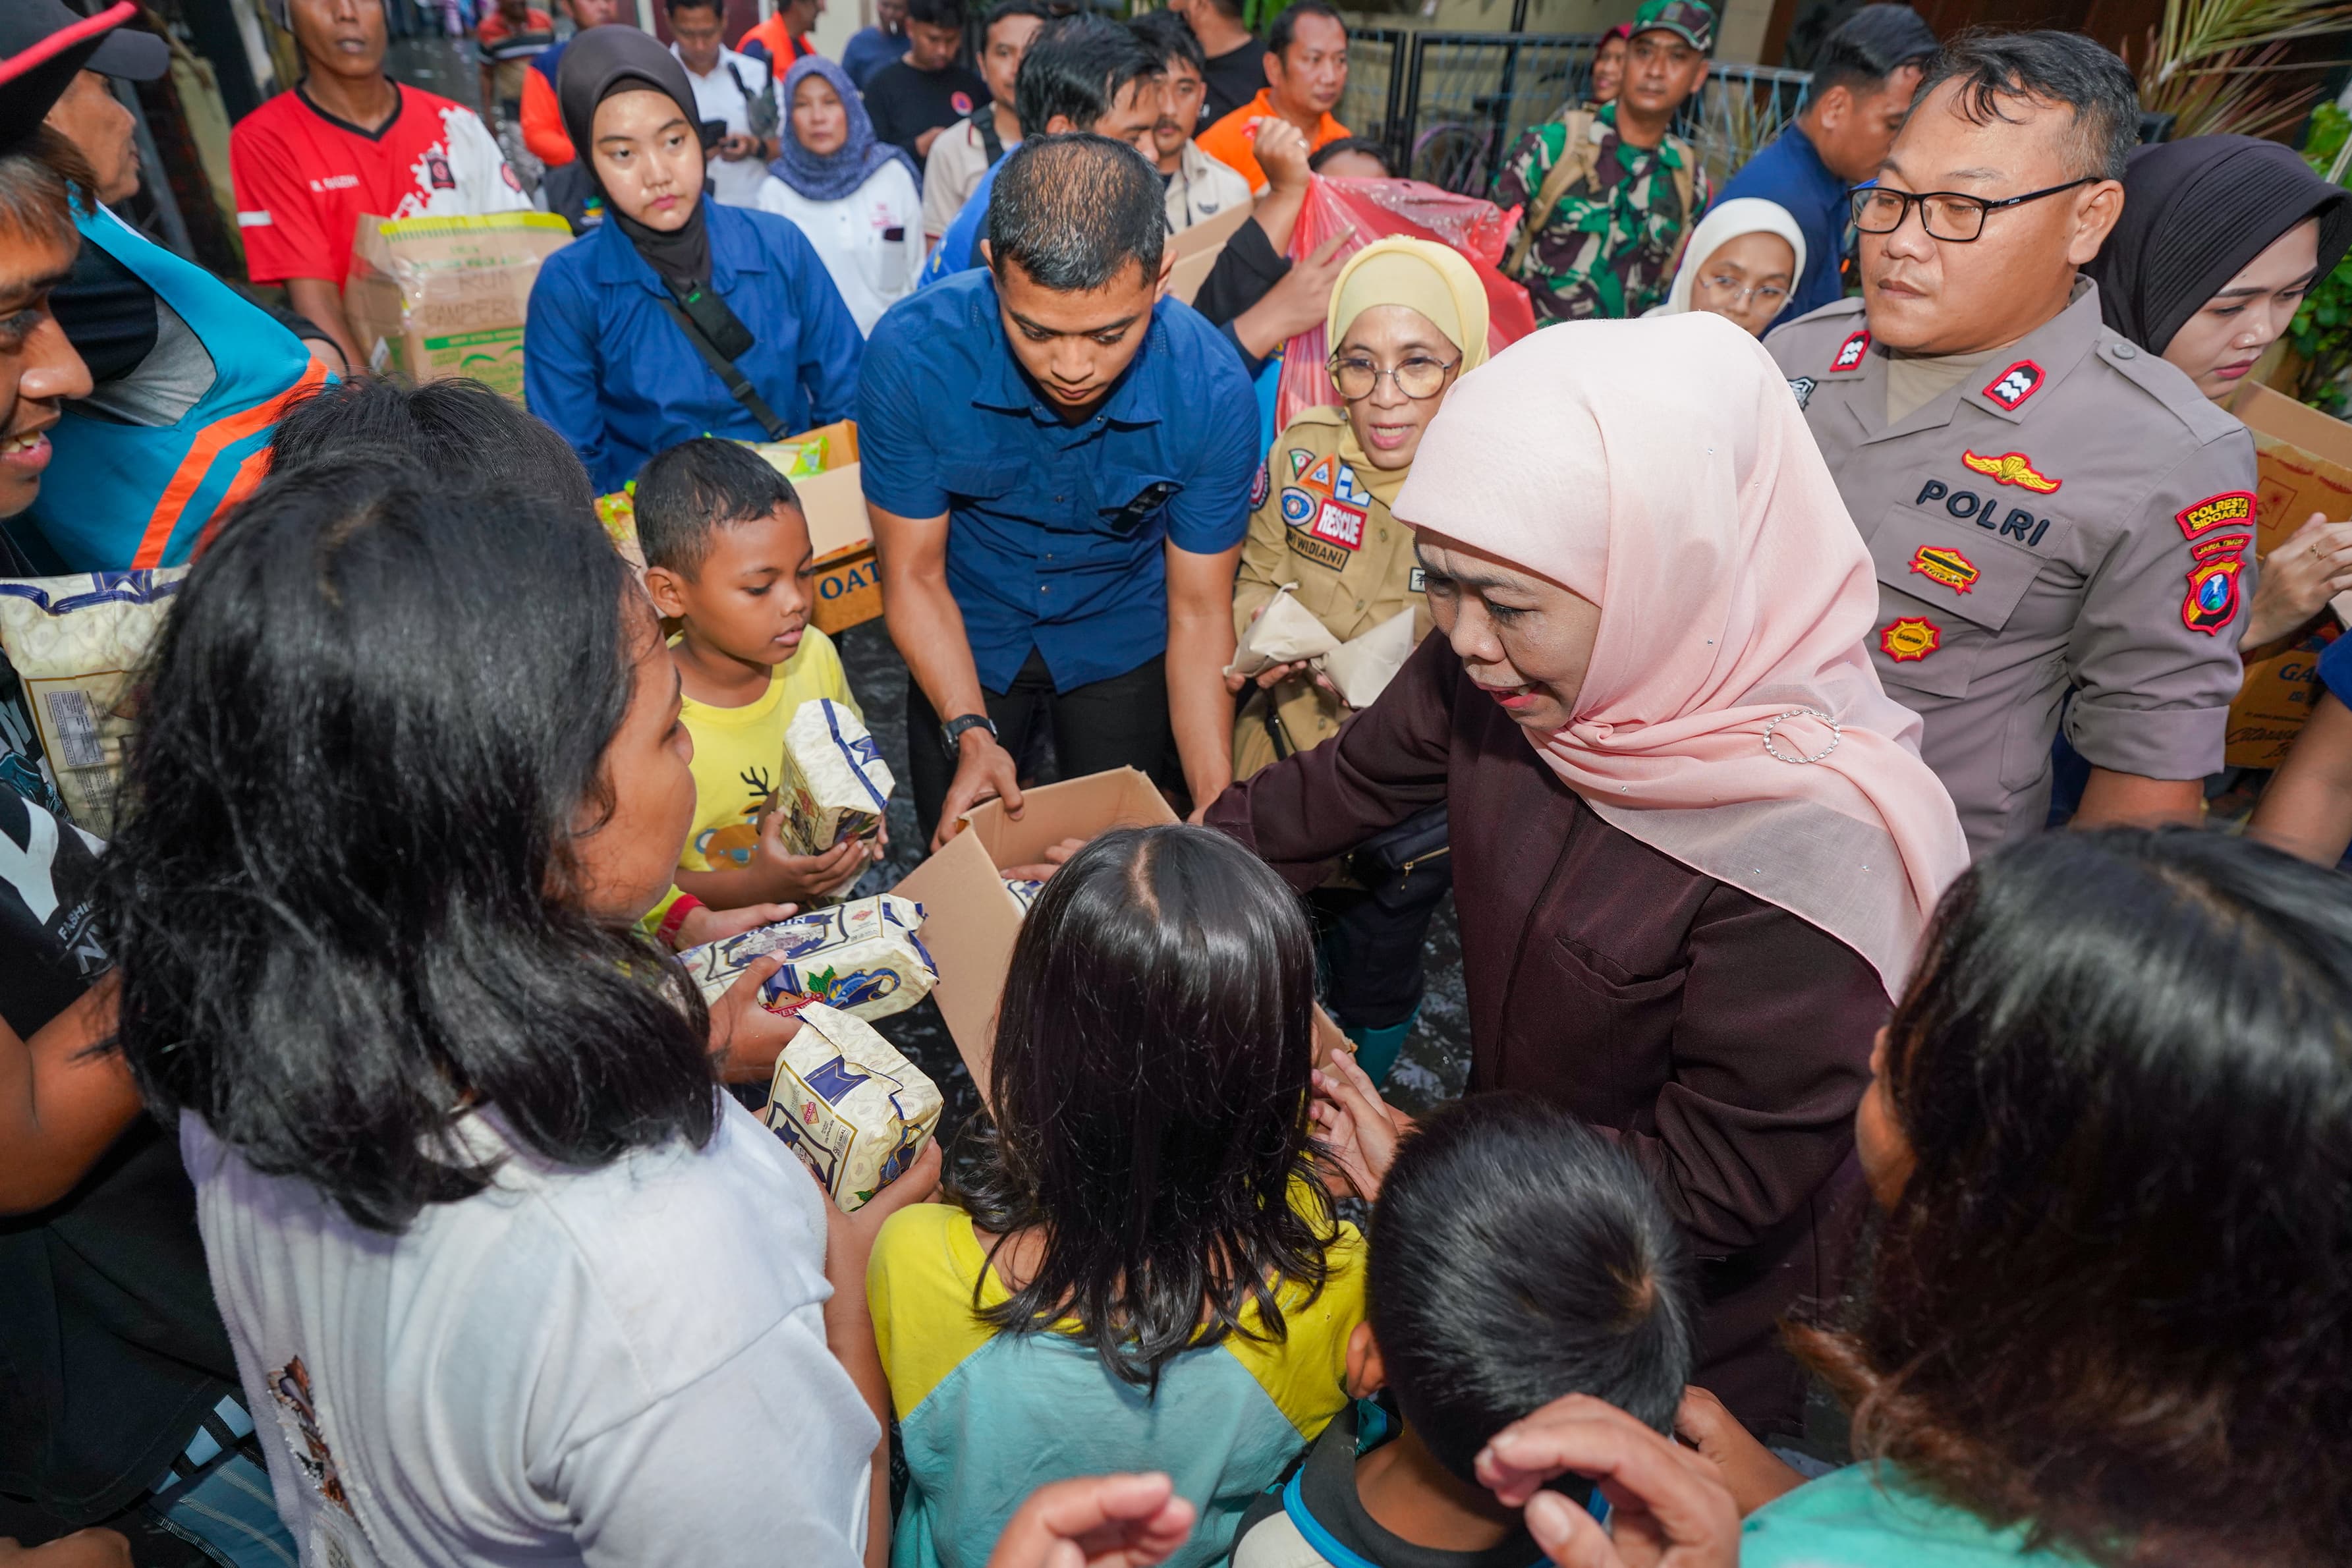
(2049, 507)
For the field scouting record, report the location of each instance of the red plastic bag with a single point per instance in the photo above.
(1377, 210)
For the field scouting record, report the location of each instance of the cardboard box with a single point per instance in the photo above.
(438, 297)
(848, 585)
(1196, 249)
(2304, 464)
(970, 920)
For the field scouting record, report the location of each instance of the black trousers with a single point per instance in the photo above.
(1370, 945)
(1114, 723)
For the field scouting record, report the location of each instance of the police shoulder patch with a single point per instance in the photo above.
(1802, 385)
(2228, 509)
(2013, 385)
(1850, 352)
(2211, 601)
(1908, 638)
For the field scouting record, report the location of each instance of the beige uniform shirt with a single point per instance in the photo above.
(1202, 187)
(1322, 522)
(958, 159)
(2073, 515)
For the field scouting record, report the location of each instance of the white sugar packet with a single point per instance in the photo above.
(861, 957)
(854, 1109)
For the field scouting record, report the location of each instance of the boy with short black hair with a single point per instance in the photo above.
(728, 556)
(1516, 1257)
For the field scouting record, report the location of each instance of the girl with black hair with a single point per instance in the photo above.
(507, 1277)
(1143, 1270)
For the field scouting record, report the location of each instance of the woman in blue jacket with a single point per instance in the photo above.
(676, 317)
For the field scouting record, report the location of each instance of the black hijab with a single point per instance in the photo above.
(2195, 212)
(617, 59)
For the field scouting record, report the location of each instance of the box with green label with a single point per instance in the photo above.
(433, 298)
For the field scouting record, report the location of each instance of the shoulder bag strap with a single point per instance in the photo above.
(1576, 160)
(725, 370)
(983, 122)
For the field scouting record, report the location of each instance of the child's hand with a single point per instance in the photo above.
(849, 1238)
(745, 1037)
(804, 878)
(1095, 1521)
(1748, 1466)
(1667, 1507)
(705, 924)
(1355, 1125)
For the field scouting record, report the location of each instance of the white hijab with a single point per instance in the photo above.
(1724, 222)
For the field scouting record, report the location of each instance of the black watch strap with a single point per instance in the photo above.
(952, 731)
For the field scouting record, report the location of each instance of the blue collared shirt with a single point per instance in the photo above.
(1055, 532)
(953, 254)
(609, 369)
(868, 50)
(1790, 171)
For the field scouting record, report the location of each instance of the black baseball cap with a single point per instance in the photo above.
(44, 44)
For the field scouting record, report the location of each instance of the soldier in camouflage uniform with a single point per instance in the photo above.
(1618, 194)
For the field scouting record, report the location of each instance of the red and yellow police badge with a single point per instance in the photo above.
(1942, 563)
(1910, 638)
(2231, 509)
(2211, 602)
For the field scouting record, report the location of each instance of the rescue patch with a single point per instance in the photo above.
(1850, 352)
(2230, 508)
(1910, 638)
(2211, 602)
(1942, 563)
(2014, 468)
(1802, 385)
(1261, 483)
(2012, 386)
(1297, 506)
(1341, 524)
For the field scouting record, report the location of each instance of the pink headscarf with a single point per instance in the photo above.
(1660, 469)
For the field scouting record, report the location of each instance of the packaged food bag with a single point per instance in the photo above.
(74, 641)
(861, 957)
(835, 783)
(1287, 632)
(793, 460)
(1363, 667)
(1023, 890)
(850, 1105)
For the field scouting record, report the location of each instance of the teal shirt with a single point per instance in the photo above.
(1867, 1517)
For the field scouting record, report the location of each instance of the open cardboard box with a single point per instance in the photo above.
(2304, 464)
(969, 918)
(848, 586)
(439, 297)
(1196, 250)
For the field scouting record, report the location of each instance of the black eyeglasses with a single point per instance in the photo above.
(1944, 214)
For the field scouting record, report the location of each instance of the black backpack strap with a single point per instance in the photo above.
(984, 121)
(725, 370)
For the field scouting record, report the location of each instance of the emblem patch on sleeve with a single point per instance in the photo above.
(1297, 506)
(1850, 352)
(2211, 602)
(2012, 386)
(1802, 385)
(2229, 509)
(2014, 468)
(1909, 638)
(1260, 484)
(1942, 563)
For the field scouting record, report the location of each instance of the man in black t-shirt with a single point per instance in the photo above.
(914, 98)
(1237, 60)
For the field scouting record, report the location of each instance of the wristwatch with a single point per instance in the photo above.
(954, 728)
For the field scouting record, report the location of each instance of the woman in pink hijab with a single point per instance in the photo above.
(1694, 843)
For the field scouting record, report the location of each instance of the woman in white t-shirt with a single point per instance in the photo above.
(858, 200)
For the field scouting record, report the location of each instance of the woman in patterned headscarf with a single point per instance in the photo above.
(857, 199)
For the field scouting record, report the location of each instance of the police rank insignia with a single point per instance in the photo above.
(1802, 385)
(2226, 509)
(1850, 352)
(1942, 563)
(2014, 468)
(2012, 386)
(2211, 602)
(1908, 638)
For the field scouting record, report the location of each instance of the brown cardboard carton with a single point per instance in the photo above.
(1196, 249)
(969, 917)
(848, 585)
(438, 297)
(2303, 462)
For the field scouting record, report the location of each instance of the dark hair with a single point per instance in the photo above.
(2110, 1298)
(39, 178)
(1149, 1089)
(1344, 145)
(1076, 211)
(1077, 66)
(1005, 9)
(1871, 46)
(1285, 31)
(344, 894)
(2058, 68)
(1169, 38)
(1518, 1258)
(456, 425)
(716, 7)
(938, 13)
(686, 491)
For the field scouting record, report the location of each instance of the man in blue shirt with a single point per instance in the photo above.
(1081, 73)
(1862, 81)
(871, 48)
(1058, 467)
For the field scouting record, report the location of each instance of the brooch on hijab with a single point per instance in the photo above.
(1777, 755)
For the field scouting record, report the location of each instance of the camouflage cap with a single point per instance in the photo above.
(1693, 21)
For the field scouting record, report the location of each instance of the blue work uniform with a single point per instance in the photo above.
(609, 369)
(1055, 531)
(1790, 172)
(954, 252)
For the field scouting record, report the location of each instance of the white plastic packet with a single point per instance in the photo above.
(850, 1105)
(861, 957)
(1024, 890)
(1284, 634)
(74, 641)
(835, 783)
(1363, 667)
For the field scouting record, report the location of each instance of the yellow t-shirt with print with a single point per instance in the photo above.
(738, 751)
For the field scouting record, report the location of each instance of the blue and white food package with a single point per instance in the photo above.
(74, 641)
(835, 783)
(862, 957)
(1024, 892)
(850, 1105)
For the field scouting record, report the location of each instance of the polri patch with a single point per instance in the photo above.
(1802, 385)
(1297, 506)
(2211, 602)
(1908, 638)
(2012, 386)
(2230, 508)
(1261, 482)
(1850, 352)
(1942, 563)
(2014, 468)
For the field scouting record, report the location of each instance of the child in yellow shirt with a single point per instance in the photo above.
(728, 556)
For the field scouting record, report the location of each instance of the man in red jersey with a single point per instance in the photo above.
(349, 141)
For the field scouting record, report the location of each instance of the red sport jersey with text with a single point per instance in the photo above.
(305, 178)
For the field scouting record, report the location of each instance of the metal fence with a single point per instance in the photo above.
(1449, 105)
